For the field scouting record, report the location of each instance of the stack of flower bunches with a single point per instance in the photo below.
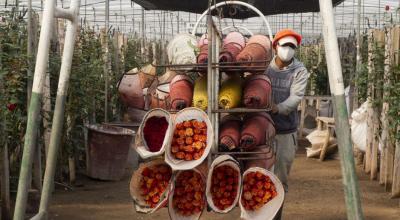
(154, 182)
(258, 189)
(190, 140)
(225, 183)
(188, 198)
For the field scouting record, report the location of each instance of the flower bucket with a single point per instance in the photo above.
(257, 92)
(181, 92)
(257, 128)
(229, 135)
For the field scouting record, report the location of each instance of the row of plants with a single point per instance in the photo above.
(85, 99)
(371, 83)
(13, 83)
(313, 57)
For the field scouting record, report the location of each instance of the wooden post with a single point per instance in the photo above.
(121, 50)
(386, 169)
(106, 60)
(378, 39)
(396, 170)
(370, 125)
(106, 67)
(326, 143)
(5, 185)
(350, 182)
(116, 53)
(71, 166)
(154, 47)
(395, 148)
(303, 112)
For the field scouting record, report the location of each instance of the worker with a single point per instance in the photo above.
(289, 80)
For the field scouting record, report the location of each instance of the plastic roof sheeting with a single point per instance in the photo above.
(126, 16)
(267, 7)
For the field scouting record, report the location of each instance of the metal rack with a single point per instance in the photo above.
(213, 84)
(214, 68)
(213, 110)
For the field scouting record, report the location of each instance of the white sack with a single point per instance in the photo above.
(359, 127)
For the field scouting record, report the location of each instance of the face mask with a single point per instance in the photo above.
(285, 53)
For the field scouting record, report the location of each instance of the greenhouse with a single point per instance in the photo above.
(208, 109)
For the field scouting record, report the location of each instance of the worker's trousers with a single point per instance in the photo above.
(286, 147)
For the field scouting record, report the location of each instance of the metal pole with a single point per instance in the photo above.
(94, 17)
(58, 118)
(32, 126)
(210, 39)
(133, 18)
(163, 42)
(30, 49)
(209, 64)
(143, 34)
(106, 68)
(352, 196)
(301, 23)
(85, 10)
(313, 24)
(379, 14)
(177, 24)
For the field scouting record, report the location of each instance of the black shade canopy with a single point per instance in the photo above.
(267, 7)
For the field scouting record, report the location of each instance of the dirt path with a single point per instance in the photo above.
(315, 193)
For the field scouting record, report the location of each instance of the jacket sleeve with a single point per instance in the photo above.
(297, 91)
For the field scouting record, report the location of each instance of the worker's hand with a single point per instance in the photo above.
(274, 109)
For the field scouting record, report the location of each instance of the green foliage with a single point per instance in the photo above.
(376, 77)
(393, 88)
(85, 97)
(13, 80)
(362, 76)
(132, 54)
(13, 84)
(85, 94)
(313, 57)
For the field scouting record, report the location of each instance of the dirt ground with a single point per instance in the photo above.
(315, 192)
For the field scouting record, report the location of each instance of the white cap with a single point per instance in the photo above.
(288, 39)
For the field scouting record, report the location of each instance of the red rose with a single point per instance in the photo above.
(11, 107)
(387, 8)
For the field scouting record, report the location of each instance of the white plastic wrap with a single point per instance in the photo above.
(221, 161)
(172, 213)
(134, 187)
(185, 115)
(269, 210)
(141, 145)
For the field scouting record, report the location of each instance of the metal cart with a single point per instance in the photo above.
(214, 69)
